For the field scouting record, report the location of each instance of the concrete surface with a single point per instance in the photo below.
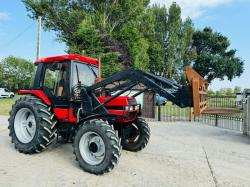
(178, 154)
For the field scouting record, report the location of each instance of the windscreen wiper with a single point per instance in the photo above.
(92, 71)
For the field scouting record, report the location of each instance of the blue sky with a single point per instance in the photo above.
(230, 17)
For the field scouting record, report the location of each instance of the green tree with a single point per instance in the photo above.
(172, 41)
(1, 74)
(225, 92)
(16, 73)
(153, 28)
(237, 89)
(214, 58)
(210, 92)
(107, 18)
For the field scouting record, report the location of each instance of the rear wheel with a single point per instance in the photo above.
(32, 125)
(97, 147)
(137, 135)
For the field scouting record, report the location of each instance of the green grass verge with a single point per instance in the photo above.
(5, 105)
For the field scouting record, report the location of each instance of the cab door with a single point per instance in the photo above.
(56, 85)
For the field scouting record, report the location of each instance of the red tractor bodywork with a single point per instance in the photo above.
(116, 106)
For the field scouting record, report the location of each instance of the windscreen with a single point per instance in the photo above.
(87, 73)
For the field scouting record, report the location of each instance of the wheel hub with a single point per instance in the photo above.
(30, 124)
(25, 125)
(92, 148)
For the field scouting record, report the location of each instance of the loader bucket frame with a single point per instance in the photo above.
(192, 95)
(198, 86)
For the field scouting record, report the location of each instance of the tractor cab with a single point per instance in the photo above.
(59, 81)
(57, 75)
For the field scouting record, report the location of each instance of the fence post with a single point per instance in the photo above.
(159, 113)
(216, 120)
(246, 119)
(191, 114)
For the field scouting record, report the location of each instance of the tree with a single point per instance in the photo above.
(171, 41)
(16, 73)
(237, 89)
(153, 28)
(107, 18)
(214, 58)
(133, 34)
(225, 92)
(210, 92)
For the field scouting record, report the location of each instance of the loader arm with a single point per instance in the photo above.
(182, 96)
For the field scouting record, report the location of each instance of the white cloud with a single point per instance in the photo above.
(192, 8)
(4, 16)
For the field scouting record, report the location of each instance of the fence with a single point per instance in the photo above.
(168, 112)
(171, 112)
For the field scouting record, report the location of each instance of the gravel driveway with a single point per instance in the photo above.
(178, 154)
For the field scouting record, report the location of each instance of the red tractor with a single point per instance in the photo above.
(68, 101)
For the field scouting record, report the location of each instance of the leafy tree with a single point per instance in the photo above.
(237, 89)
(133, 34)
(153, 28)
(214, 58)
(210, 92)
(74, 20)
(1, 74)
(16, 73)
(171, 40)
(138, 45)
(225, 92)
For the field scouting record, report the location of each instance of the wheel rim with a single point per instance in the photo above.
(25, 125)
(135, 136)
(92, 148)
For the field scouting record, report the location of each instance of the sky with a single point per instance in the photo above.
(18, 32)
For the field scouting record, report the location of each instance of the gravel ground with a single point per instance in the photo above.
(178, 154)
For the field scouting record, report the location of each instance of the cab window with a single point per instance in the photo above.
(55, 78)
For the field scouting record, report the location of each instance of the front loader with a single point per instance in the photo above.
(70, 102)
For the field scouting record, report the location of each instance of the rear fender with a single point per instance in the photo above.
(38, 93)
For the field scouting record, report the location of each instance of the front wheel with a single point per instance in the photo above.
(137, 135)
(97, 147)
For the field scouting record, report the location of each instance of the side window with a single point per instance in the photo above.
(6, 90)
(55, 78)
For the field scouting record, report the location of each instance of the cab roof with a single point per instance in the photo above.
(77, 57)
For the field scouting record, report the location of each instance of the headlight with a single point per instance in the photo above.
(137, 107)
(129, 108)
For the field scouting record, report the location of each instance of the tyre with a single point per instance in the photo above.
(97, 147)
(32, 125)
(11, 96)
(137, 135)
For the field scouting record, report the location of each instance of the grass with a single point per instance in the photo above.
(5, 105)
